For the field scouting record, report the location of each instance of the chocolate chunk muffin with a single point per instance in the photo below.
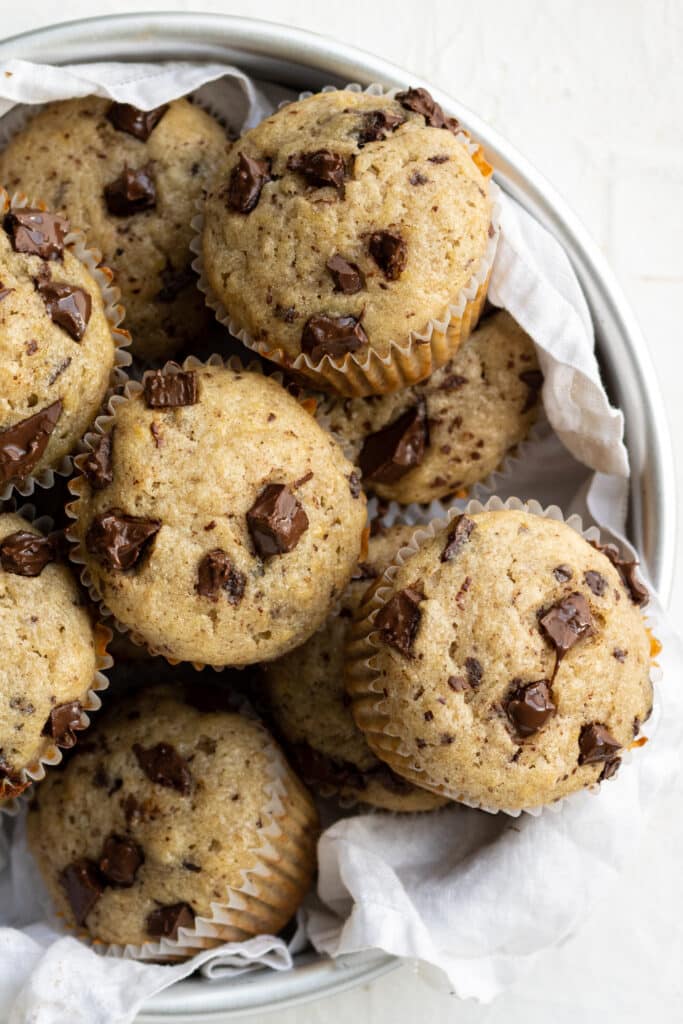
(345, 225)
(57, 350)
(309, 707)
(453, 429)
(131, 180)
(165, 814)
(51, 654)
(216, 519)
(510, 662)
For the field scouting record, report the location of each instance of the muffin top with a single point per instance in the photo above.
(451, 430)
(217, 520)
(514, 660)
(56, 346)
(345, 222)
(306, 700)
(160, 816)
(131, 180)
(49, 654)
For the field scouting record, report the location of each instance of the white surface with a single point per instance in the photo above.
(591, 92)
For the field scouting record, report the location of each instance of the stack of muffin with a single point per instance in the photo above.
(217, 511)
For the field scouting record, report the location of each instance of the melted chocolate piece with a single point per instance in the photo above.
(421, 102)
(320, 168)
(376, 125)
(164, 766)
(23, 444)
(170, 390)
(458, 535)
(69, 307)
(638, 592)
(120, 540)
(247, 179)
(97, 465)
(529, 706)
(567, 622)
(390, 453)
(276, 521)
(63, 721)
(215, 574)
(611, 768)
(390, 253)
(399, 620)
(597, 744)
(26, 554)
(474, 672)
(346, 276)
(37, 233)
(534, 382)
(332, 336)
(132, 192)
(138, 123)
(165, 922)
(562, 573)
(83, 886)
(120, 861)
(595, 582)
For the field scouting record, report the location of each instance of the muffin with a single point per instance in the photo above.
(169, 812)
(453, 429)
(216, 520)
(305, 695)
(57, 351)
(510, 662)
(51, 655)
(131, 180)
(343, 228)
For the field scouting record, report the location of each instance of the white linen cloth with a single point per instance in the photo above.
(477, 896)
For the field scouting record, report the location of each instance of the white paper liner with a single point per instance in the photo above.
(77, 244)
(405, 362)
(361, 673)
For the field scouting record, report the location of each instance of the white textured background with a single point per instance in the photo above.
(591, 91)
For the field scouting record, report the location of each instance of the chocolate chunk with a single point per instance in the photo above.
(453, 382)
(170, 390)
(216, 573)
(390, 453)
(190, 866)
(459, 684)
(23, 444)
(390, 253)
(376, 125)
(97, 465)
(399, 620)
(440, 158)
(421, 102)
(620, 654)
(83, 886)
(529, 706)
(165, 922)
(595, 582)
(132, 192)
(69, 307)
(567, 622)
(458, 535)
(4, 292)
(610, 770)
(138, 123)
(534, 382)
(247, 179)
(596, 744)
(627, 570)
(120, 540)
(474, 671)
(26, 554)
(37, 232)
(276, 521)
(173, 282)
(319, 168)
(346, 276)
(417, 178)
(332, 336)
(164, 766)
(562, 573)
(120, 861)
(354, 485)
(63, 721)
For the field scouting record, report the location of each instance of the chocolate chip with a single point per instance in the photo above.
(421, 102)
(120, 540)
(354, 485)
(276, 521)
(439, 158)
(37, 232)
(376, 125)
(190, 866)
(97, 465)
(390, 252)
(562, 573)
(247, 179)
(216, 573)
(417, 178)
(567, 622)
(474, 671)
(399, 620)
(83, 885)
(120, 861)
(627, 570)
(173, 282)
(62, 722)
(138, 123)
(595, 582)
(390, 453)
(620, 654)
(453, 382)
(69, 307)
(529, 706)
(459, 684)
(22, 445)
(596, 744)
(132, 192)
(320, 168)
(164, 766)
(332, 336)
(26, 554)
(4, 292)
(458, 535)
(346, 276)
(534, 382)
(170, 390)
(165, 922)
(610, 770)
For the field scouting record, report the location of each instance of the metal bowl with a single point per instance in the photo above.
(303, 60)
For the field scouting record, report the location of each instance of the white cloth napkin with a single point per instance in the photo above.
(475, 895)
